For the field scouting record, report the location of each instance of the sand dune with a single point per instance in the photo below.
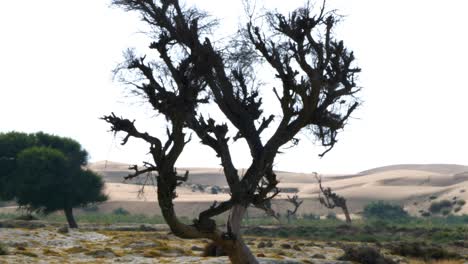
(437, 168)
(411, 185)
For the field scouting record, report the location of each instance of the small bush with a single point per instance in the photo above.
(365, 255)
(456, 219)
(120, 211)
(311, 216)
(26, 217)
(446, 211)
(432, 197)
(331, 216)
(3, 249)
(461, 202)
(425, 214)
(283, 233)
(462, 190)
(384, 210)
(457, 209)
(437, 207)
(422, 250)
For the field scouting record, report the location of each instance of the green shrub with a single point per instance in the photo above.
(311, 216)
(446, 211)
(461, 202)
(456, 220)
(425, 214)
(432, 197)
(331, 216)
(437, 207)
(422, 250)
(384, 210)
(120, 211)
(3, 249)
(365, 255)
(457, 209)
(283, 233)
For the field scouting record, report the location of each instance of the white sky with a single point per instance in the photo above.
(56, 58)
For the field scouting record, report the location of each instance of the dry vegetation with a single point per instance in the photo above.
(154, 244)
(305, 240)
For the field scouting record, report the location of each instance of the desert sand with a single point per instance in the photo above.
(415, 186)
(411, 185)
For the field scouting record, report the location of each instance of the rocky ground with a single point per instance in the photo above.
(36, 242)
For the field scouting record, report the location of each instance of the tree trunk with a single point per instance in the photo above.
(237, 250)
(346, 213)
(70, 219)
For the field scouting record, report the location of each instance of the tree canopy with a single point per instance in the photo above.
(316, 93)
(45, 173)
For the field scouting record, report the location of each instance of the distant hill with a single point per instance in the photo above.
(115, 172)
(448, 169)
(415, 186)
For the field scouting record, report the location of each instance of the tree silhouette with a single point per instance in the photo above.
(330, 199)
(316, 94)
(296, 203)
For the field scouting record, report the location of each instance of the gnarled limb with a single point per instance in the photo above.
(297, 203)
(317, 93)
(330, 199)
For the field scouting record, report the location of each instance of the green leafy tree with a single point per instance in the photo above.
(44, 173)
(10, 145)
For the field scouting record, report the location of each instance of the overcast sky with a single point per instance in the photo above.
(56, 58)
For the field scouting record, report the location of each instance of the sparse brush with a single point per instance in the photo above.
(436, 262)
(422, 250)
(438, 207)
(3, 249)
(120, 211)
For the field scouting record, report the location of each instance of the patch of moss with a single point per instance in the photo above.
(101, 253)
(50, 252)
(27, 253)
(277, 255)
(76, 250)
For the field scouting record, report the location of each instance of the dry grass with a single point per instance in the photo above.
(437, 262)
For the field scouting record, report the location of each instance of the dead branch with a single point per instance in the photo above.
(330, 199)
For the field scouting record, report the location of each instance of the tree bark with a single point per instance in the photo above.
(346, 213)
(238, 251)
(70, 219)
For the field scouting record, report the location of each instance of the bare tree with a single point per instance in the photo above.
(296, 203)
(331, 200)
(316, 94)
